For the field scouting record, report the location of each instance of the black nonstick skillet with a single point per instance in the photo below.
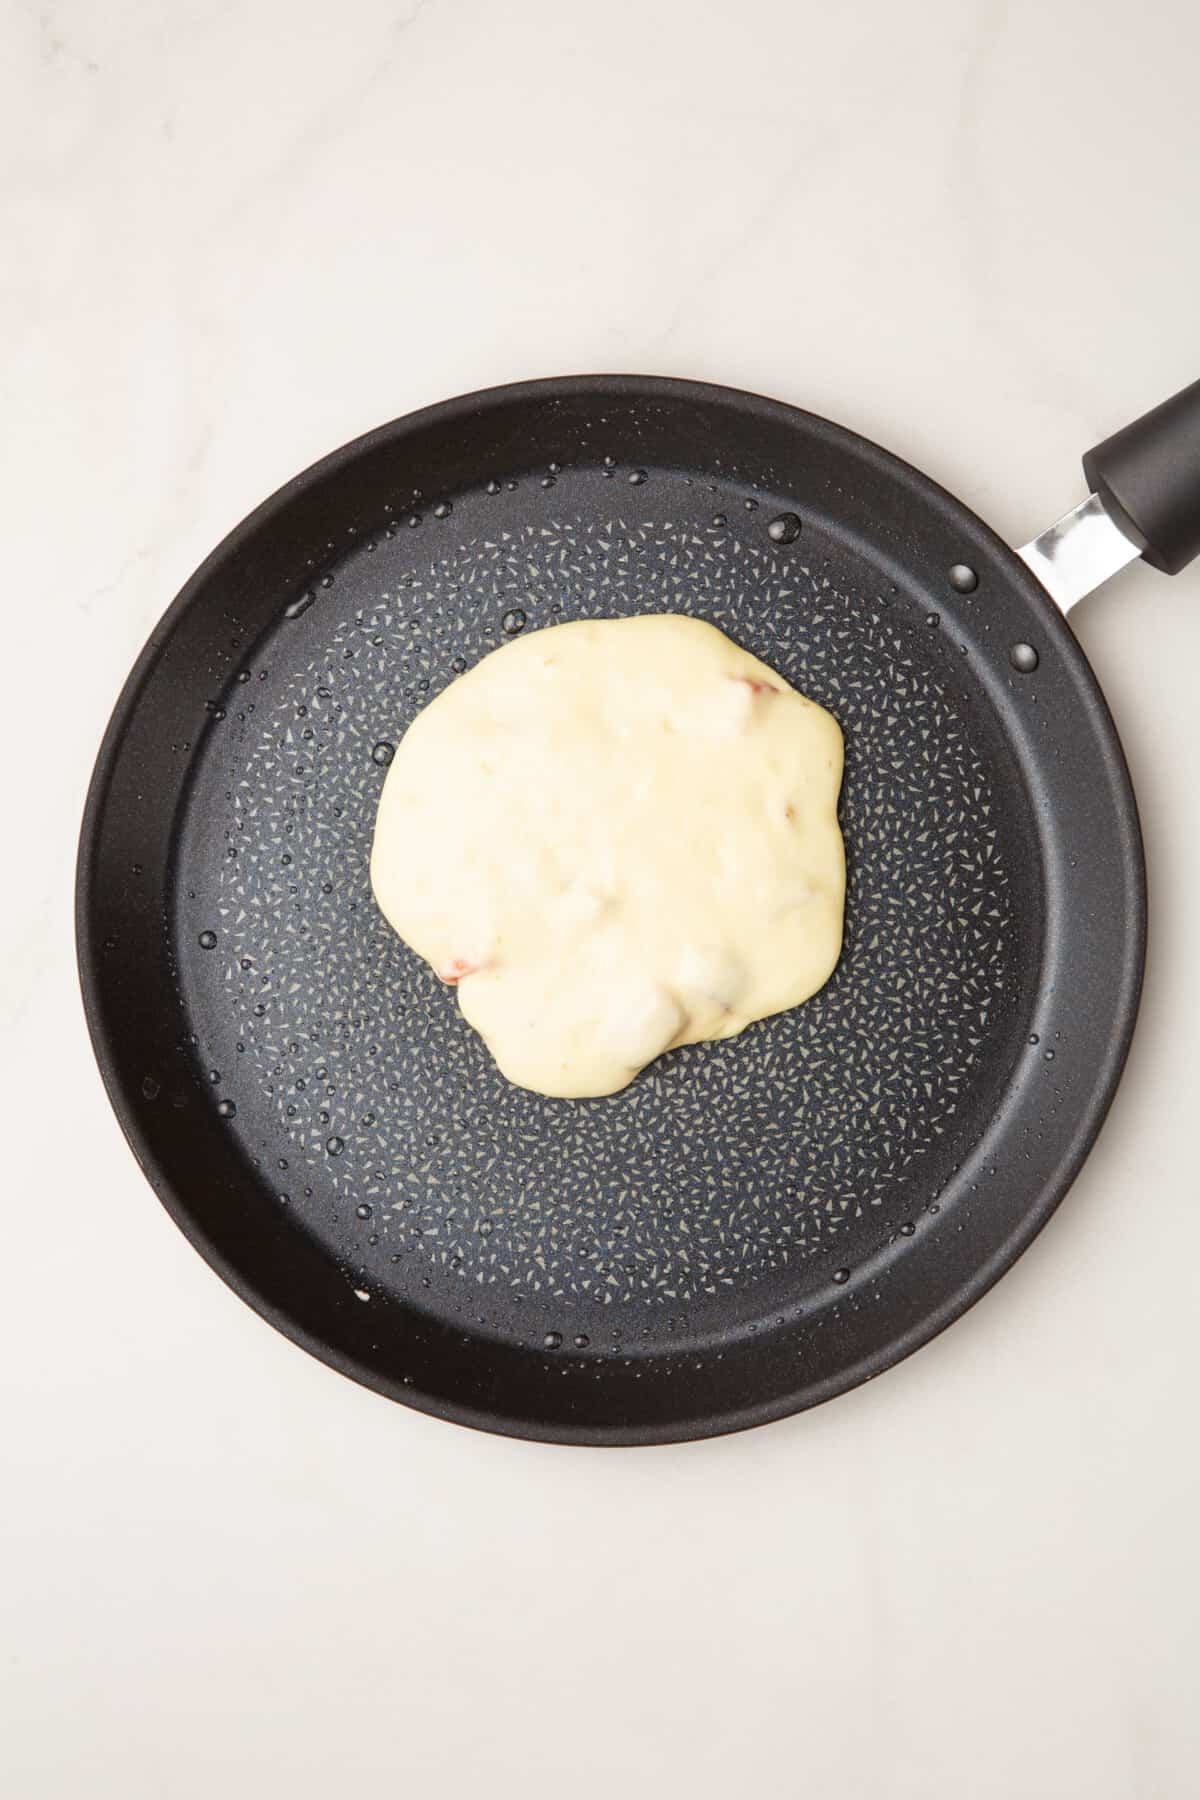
(754, 1225)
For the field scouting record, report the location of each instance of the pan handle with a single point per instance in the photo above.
(1148, 476)
(1144, 501)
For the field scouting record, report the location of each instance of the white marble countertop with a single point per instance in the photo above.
(237, 235)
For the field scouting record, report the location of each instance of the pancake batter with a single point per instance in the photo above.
(615, 837)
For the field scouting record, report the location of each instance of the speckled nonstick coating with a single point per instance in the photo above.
(752, 1225)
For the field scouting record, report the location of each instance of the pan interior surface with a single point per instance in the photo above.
(379, 1116)
(745, 1225)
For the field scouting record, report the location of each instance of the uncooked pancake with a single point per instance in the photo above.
(614, 837)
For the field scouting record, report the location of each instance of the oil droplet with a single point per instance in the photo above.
(363, 1211)
(493, 487)
(459, 664)
(1048, 1055)
(547, 480)
(226, 1109)
(294, 611)
(907, 1229)
(382, 753)
(785, 529)
(582, 1341)
(841, 1276)
(414, 519)
(751, 505)
(215, 708)
(636, 477)
(335, 1145)
(513, 622)
(718, 520)
(963, 578)
(552, 1340)
(151, 1088)
(1033, 1038)
(933, 620)
(442, 510)
(1024, 658)
(214, 1075)
(243, 676)
(207, 940)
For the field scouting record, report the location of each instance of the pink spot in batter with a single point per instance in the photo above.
(457, 969)
(757, 688)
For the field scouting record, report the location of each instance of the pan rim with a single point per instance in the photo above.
(897, 1347)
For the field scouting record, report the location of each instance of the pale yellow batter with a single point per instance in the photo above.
(614, 837)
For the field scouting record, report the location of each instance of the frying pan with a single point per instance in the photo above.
(752, 1226)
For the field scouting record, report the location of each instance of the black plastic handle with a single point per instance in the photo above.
(1148, 476)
